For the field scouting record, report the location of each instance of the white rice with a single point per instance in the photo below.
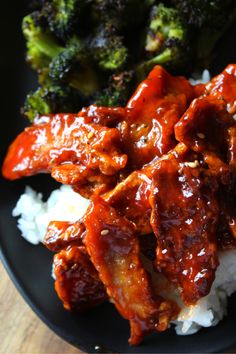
(212, 308)
(202, 79)
(63, 205)
(66, 205)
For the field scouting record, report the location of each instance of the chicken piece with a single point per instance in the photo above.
(131, 197)
(62, 233)
(184, 219)
(106, 116)
(113, 246)
(226, 232)
(69, 148)
(223, 87)
(84, 150)
(208, 126)
(77, 282)
(204, 127)
(153, 110)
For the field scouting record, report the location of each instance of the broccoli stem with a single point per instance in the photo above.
(161, 58)
(142, 69)
(85, 80)
(46, 44)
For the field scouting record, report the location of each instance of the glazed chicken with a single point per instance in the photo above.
(94, 149)
(161, 177)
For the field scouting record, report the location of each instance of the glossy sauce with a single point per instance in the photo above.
(114, 250)
(164, 165)
(77, 282)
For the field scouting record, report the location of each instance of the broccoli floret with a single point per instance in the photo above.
(73, 66)
(107, 48)
(108, 7)
(63, 63)
(54, 99)
(126, 13)
(57, 64)
(201, 13)
(165, 24)
(41, 44)
(209, 20)
(62, 16)
(166, 36)
(120, 87)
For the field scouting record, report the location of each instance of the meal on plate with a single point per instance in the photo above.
(146, 219)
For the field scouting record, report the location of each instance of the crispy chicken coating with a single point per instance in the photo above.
(184, 219)
(71, 148)
(77, 282)
(112, 243)
(161, 176)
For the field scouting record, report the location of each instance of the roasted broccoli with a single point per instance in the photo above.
(107, 48)
(52, 100)
(209, 20)
(63, 63)
(55, 63)
(62, 16)
(104, 48)
(126, 13)
(166, 41)
(201, 13)
(119, 89)
(42, 46)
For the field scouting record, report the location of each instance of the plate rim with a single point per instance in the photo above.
(56, 329)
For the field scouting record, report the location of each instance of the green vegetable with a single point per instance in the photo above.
(118, 91)
(42, 46)
(201, 13)
(67, 60)
(209, 20)
(44, 101)
(104, 48)
(107, 48)
(166, 41)
(56, 64)
(62, 16)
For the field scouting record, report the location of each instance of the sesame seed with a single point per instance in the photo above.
(201, 136)
(90, 135)
(193, 164)
(104, 232)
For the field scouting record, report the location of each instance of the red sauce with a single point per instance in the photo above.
(166, 165)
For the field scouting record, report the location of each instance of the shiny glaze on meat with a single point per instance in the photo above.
(152, 112)
(163, 165)
(131, 196)
(63, 233)
(73, 149)
(90, 150)
(112, 243)
(77, 282)
(184, 219)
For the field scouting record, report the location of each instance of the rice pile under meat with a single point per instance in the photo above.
(66, 205)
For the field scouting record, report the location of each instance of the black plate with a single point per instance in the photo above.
(30, 266)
